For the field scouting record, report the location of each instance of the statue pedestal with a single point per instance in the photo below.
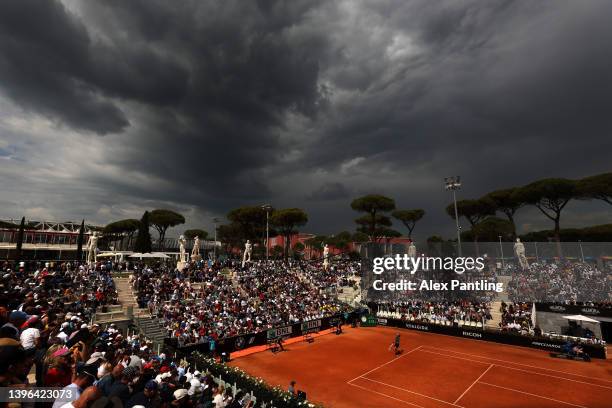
(196, 258)
(180, 266)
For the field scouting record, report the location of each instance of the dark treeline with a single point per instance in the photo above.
(489, 217)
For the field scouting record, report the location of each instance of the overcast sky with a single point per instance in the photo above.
(109, 108)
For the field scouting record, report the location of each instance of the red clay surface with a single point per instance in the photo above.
(356, 369)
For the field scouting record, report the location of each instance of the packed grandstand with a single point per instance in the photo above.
(47, 319)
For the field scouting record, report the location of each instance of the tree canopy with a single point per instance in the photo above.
(286, 221)
(373, 222)
(473, 210)
(340, 240)
(507, 201)
(596, 233)
(550, 196)
(360, 237)
(122, 226)
(597, 187)
(229, 234)
(195, 232)
(298, 248)
(317, 242)
(118, 230)
(409, 218)
(388, 233)
(490, 230)
(162, 219)
(277, 251)
(250, 222)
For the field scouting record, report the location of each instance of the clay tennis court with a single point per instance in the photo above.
(356, 369)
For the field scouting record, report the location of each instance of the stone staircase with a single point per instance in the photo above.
(129, 311)
(120, 314)
(496, 315)
(350, 295)
(503, 296)
(124, 293)
(152, 329)
(141, 317)
(112, 314)
(127, 298)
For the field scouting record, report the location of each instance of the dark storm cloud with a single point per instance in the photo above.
(218, 104)
(329, 192)
(245, 68)
(50, 64)
(485, 77)
(501, 93)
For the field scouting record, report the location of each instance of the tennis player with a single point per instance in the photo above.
(396, 344)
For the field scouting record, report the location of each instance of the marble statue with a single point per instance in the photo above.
(180, 265)
(195, 252)
(519, 250)
(92, 246)
(326, 257)
(412, 251)
(248, 250)
(183, 253)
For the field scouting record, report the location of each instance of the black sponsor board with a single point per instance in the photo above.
(312, 326)
(574, 309)
(545, 343)
(259, 339)
(284, 331)
(234, 343)
(368, 320)
(245, 341)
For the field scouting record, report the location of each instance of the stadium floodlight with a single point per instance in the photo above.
(453, 184)
(267, 208)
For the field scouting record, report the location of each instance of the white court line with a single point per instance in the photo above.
(521, 364)
(522, 348)
(475, 382)
(412, 392)
(470, 387)
(534, 395)
(384, 395)
(459, 358)
(519, 369)
(382, 365)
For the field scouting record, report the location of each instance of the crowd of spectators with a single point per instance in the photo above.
(46, 320)
(560, 281)
(47, 338)
(212, 302)
(516, 317)
(439, 312)
(340, 274)
(55, 291)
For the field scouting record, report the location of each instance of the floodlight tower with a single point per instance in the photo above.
(267, 208)
(453, 184)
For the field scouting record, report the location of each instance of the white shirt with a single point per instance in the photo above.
(135, 361)
(76, 394)
(28, 337)
(218, 401)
